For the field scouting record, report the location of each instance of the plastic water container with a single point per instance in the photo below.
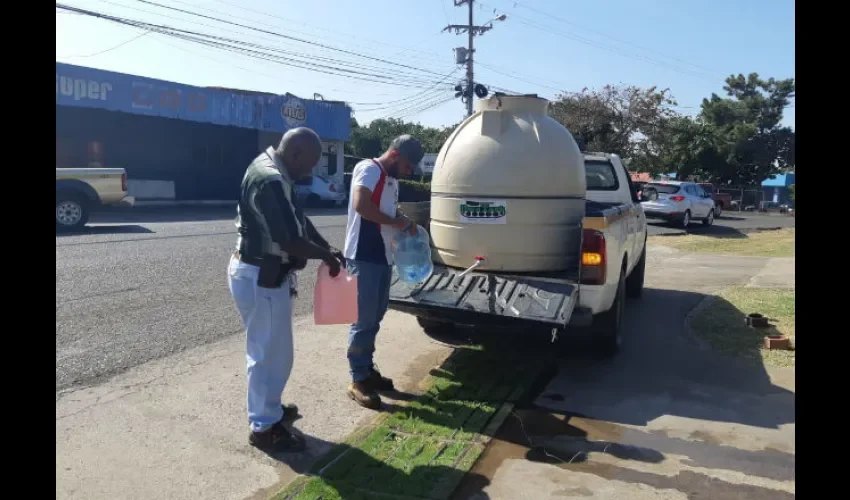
(412, 255)
(334, 299)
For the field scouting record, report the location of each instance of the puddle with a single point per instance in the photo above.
(572, 441)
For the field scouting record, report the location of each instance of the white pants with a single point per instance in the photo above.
(267, 317)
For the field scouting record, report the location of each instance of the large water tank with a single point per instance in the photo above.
(509, 186)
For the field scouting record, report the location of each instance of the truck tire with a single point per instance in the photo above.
(634, 283)
(718, 208)
(72, 211)
(606, 333)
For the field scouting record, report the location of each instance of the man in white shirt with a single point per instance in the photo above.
(373, 220)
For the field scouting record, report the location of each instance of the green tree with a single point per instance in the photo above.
(617, 119)
(371, 140)
(752, 144)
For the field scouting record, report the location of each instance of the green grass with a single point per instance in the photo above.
(423, 450)
(778, 243)
(721, 324)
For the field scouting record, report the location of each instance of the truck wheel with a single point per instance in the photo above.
(314, 200)
(607, 337)
(72, 211)
(634, 283)
(710, 219)
(718, 209)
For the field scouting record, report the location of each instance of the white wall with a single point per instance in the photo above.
(428, 162)
(150, 190)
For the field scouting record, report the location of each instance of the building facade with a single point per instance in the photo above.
(179, 141)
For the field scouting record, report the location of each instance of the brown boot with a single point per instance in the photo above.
(276, 439)
(364, 395)
(378, 381)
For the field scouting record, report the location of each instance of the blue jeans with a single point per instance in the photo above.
(373, 296)
(267, 316)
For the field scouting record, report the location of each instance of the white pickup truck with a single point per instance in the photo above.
(81, 191)
(612, 269)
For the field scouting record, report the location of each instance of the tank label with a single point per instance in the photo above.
(484, 212)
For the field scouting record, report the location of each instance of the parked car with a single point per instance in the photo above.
(81, 191)
(677, 202)
(722, 201)
(318, 190)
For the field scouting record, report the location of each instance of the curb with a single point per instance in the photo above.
(185, 203)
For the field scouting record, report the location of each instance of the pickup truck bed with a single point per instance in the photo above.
(481, 298)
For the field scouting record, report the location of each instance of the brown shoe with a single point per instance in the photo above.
(364, 395)
(379, 382)
(276, 439)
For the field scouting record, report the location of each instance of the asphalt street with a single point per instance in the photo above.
(140, 285)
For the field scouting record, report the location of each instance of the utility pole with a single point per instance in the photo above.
(471, 30)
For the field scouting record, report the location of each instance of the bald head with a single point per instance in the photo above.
(300, 150)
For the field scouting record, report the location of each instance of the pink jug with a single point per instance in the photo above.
(335, 299)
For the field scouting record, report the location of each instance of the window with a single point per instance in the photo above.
(691, 190)
(700, 191)
(600, 175)
(662, 188)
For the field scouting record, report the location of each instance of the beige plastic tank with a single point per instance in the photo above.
(509, 186)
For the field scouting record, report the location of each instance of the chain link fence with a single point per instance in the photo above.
(745, 199)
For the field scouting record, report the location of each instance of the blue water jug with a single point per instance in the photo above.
(412, 255)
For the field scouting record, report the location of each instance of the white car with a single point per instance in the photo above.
(677, 202)
(317, 190)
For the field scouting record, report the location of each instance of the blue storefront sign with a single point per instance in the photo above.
(93, 88)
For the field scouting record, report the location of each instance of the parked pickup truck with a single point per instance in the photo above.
(722, 201)
(81, 191)
(612, 268)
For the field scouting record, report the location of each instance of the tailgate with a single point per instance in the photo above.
(480, 298)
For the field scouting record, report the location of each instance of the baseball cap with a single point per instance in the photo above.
(410, 149)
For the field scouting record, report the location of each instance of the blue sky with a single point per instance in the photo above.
(542, 47)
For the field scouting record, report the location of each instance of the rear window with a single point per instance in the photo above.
(663, 188)
(601, 176)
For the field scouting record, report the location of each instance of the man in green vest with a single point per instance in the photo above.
(275, 240)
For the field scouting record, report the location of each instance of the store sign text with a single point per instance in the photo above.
(80, 88)
(147, 96)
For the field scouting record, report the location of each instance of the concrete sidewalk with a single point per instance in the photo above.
(665, 419)
(176, 428)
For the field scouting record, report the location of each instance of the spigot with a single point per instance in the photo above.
(478, 261)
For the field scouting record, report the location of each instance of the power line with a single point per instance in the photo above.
(125, 42)
(467, 55)
(250, 49)
(301, 40)
(607, 35)
(298, 54)
(542, 27)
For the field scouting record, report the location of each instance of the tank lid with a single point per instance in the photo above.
(524, 103)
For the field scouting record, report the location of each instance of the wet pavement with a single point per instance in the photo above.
(664, 420)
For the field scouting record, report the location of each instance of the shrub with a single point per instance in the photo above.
(410, 191)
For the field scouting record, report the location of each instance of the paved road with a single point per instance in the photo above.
(143, 284)
(151, 285)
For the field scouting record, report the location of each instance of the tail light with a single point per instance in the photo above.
(124, 181)
(593, 257)
(677, 198)
(332, 188)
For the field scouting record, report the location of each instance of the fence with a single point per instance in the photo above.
(744, 198)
